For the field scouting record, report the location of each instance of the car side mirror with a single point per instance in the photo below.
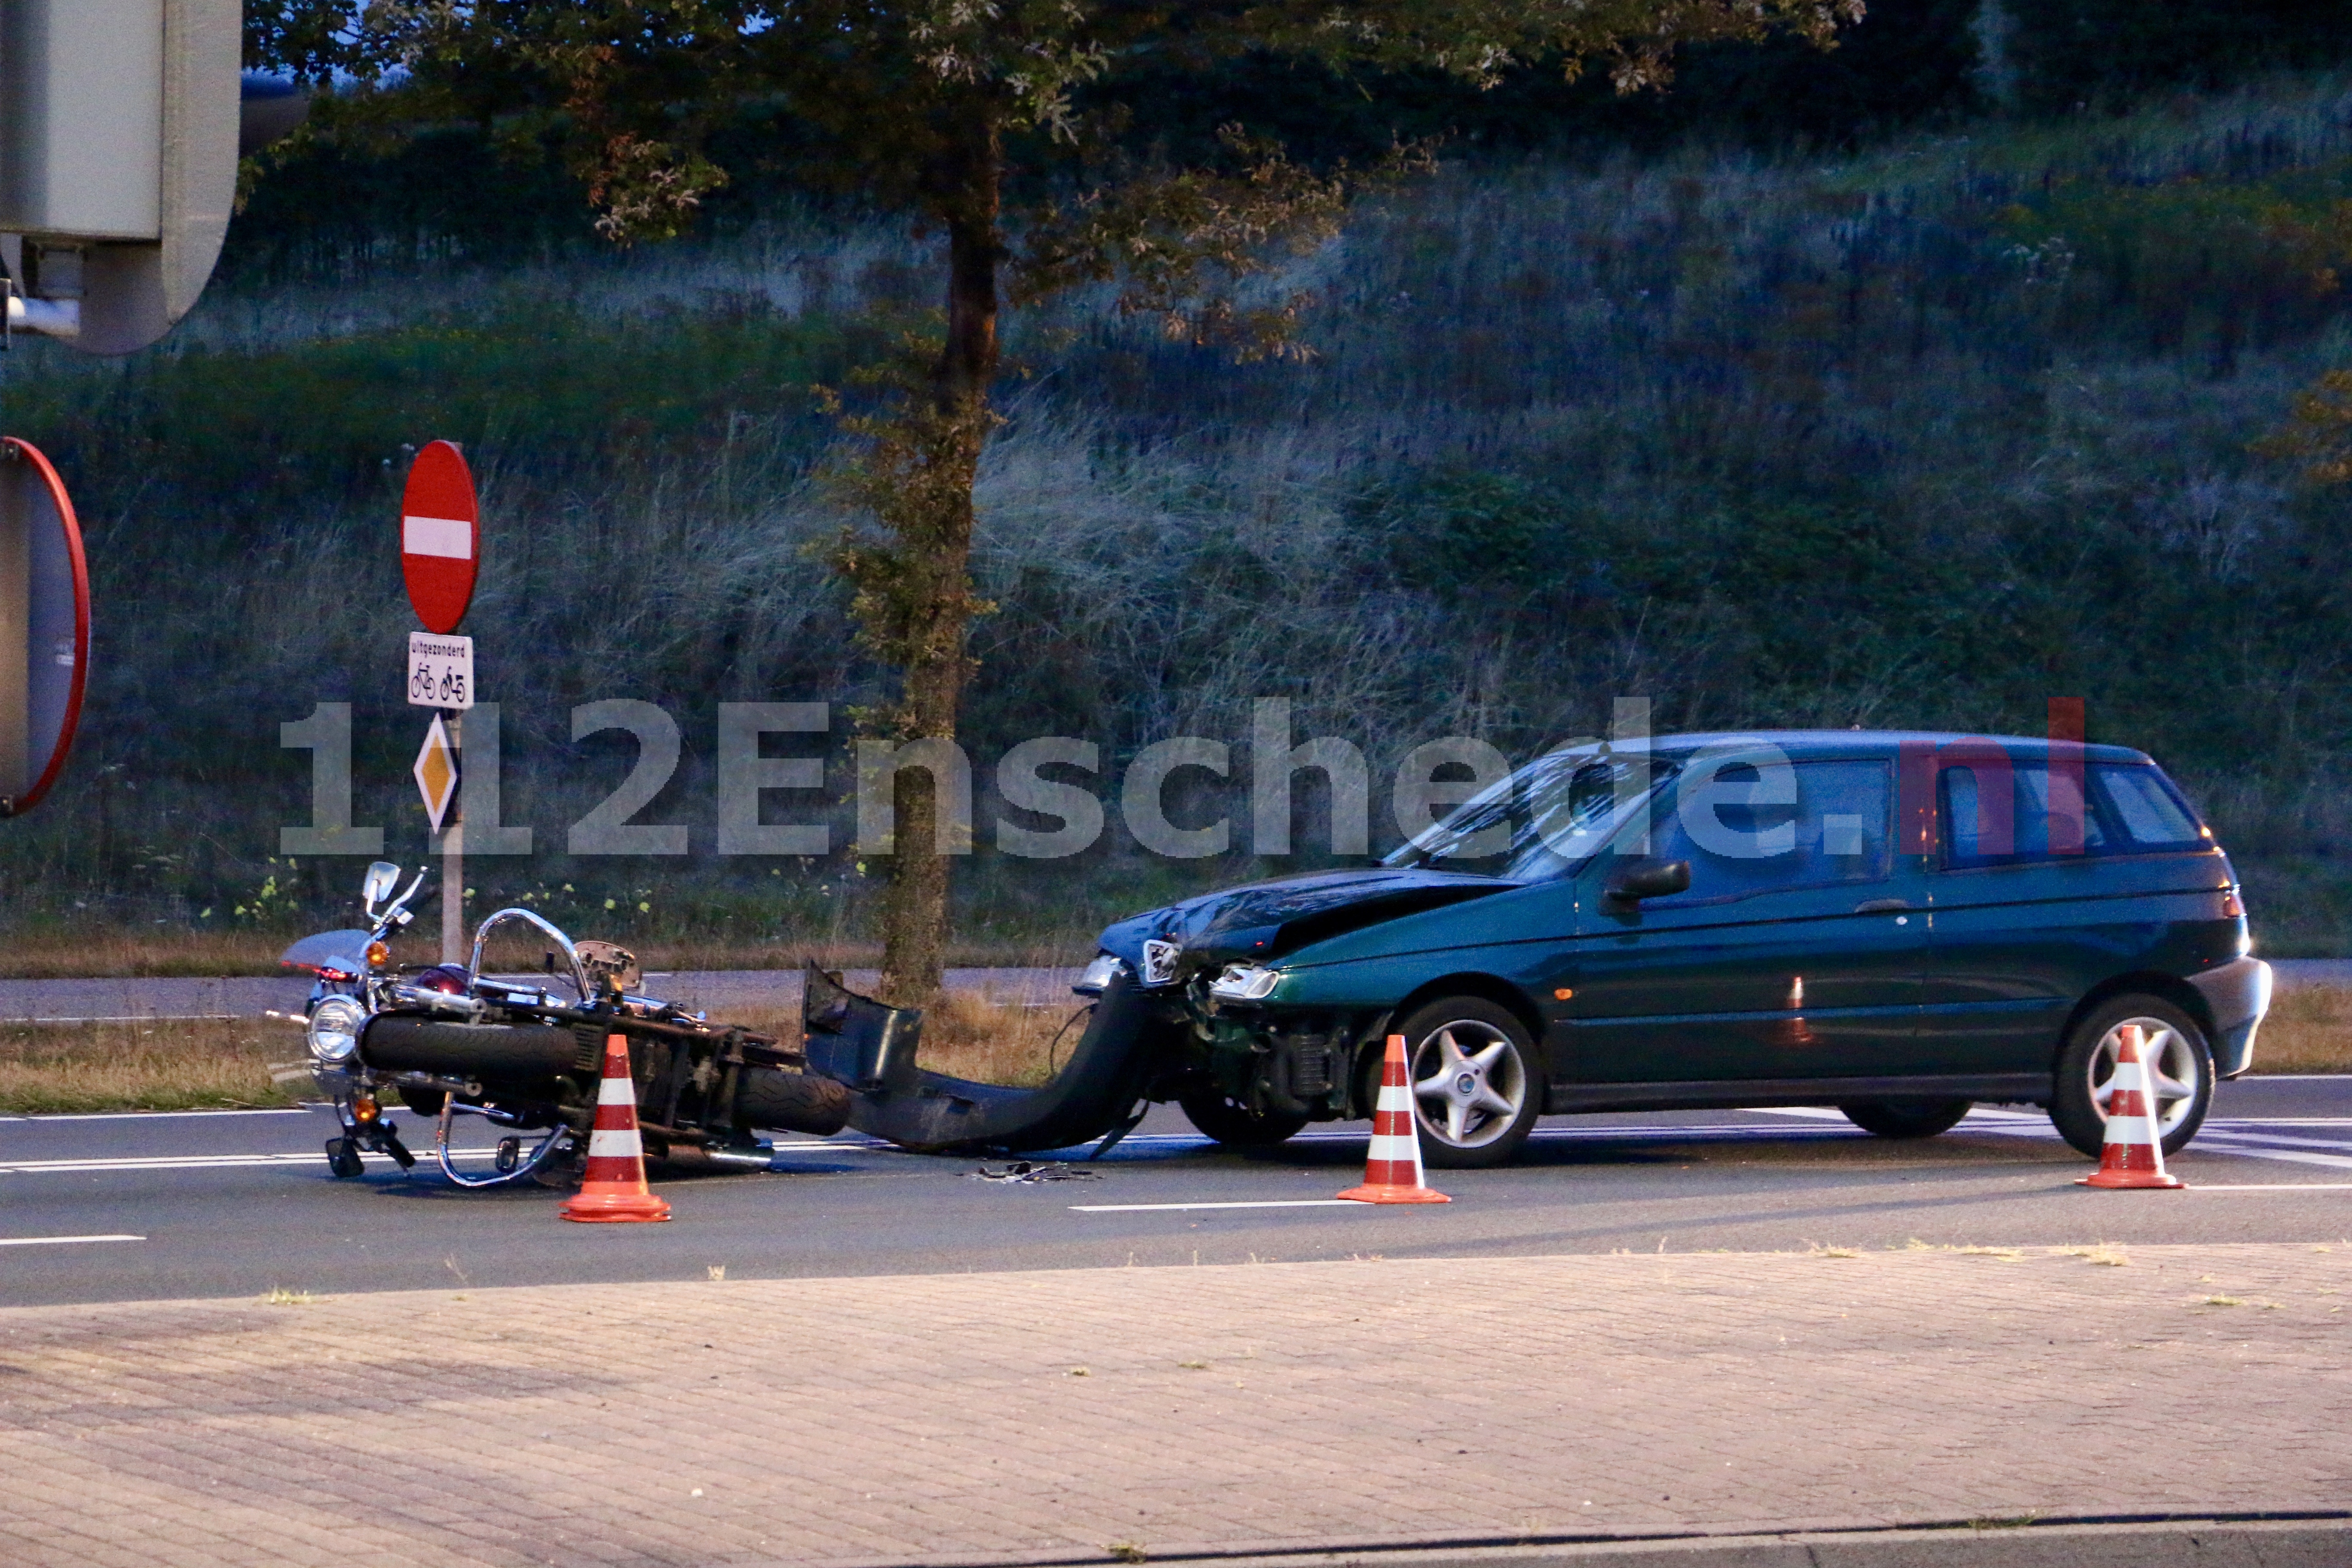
(1639, 879)
(378, 884)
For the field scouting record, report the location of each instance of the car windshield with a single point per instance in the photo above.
(1549, 816)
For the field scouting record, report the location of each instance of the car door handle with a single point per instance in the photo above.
(1881, 906)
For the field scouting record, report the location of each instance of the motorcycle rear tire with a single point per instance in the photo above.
(792, 1102)
(343, 1159)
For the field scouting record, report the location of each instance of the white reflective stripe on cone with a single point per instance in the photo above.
(623, 1144)
(617, 1091)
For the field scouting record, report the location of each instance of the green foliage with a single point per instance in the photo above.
(255, 429)
(2097, 54)
(2228, 263)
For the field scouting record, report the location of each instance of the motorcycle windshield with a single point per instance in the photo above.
(339, 950)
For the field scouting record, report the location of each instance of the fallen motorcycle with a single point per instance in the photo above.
(448, 1040)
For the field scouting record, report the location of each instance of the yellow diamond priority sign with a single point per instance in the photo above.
(436, 772)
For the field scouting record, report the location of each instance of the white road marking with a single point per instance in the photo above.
(137, 1018)
(2212, 1140)
(2232, 1134)
(162, 1115)
(195, 1162)
(62, 1240)
(1261, 1203)
(2292, 1157)
(2268, 1187)
(2220, 1121)
(1255, 1204)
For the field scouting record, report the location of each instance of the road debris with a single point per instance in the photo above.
(1031, 1171)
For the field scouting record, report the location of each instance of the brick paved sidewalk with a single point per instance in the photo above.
(1282, 1406)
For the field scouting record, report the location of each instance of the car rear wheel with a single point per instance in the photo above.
(1476, 1080)
(1906, 1118)
(1228, 1121)
(2180, 1069)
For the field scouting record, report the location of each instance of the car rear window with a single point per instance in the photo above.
(2131, 809)
(2143, 805)
(1976, 835)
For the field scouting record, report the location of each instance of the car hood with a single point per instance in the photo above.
(1266, 919)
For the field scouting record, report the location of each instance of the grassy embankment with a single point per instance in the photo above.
(1923, 436)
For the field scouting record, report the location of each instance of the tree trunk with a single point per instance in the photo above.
(915, 925)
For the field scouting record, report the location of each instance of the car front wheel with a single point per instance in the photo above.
(2179, 1066)
(1475, 1080)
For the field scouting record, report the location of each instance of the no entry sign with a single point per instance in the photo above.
(43, 625)
(440, 537)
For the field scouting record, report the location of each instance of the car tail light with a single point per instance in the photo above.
(2234, 906)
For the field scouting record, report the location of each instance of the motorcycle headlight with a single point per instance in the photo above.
(334, 1031)
(1105, 969)
(1245, 983)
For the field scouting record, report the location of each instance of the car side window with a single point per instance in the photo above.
(1837, 831)
(1978, 831)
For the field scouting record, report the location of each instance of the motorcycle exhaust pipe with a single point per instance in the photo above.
(720, 1157)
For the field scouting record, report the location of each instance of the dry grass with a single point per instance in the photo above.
(991, 1041)
(976, 1037)
(167, 1064)
(2309, 1030)
(159, 1065)
(68, 952)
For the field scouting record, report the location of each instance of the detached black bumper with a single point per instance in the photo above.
(871, 1048)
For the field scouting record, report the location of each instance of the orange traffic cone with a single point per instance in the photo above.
(2133, 1152)
(1393, 1166)
(616, 1188)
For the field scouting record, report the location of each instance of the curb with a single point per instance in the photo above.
(2316, 1538)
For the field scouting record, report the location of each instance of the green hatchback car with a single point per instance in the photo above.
(1899, 925)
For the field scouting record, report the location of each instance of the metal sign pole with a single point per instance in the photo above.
(452, 859)
(440, 555)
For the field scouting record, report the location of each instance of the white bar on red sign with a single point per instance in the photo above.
(449, 536)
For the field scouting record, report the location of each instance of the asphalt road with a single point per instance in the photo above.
(235, 1204)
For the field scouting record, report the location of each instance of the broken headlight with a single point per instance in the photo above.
(1245, 983)
(1106, 968)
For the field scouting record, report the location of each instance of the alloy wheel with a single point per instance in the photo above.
(1469, 1083)
(2173, 1065)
